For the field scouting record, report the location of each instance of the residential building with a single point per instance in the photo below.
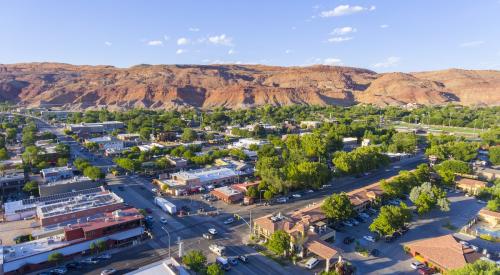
(59, 115)
(364, 197)
(128, 137)
(164, 136)
(443, 252)
(310, 124)
(366, 142)
(489, 174)
(106, 142)
(170, 266)
(117, 228)
(490, 217)
(57, 173)
(66, 185)
(227, 194)
(149, 147)
(243, 187)
(468, 185)
(350, 143)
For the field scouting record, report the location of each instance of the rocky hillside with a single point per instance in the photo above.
(237, 86)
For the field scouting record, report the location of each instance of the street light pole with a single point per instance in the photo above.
(164, 229)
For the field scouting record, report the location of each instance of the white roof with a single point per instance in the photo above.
(207, 175)
(56, 169)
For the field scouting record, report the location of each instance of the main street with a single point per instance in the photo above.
(189, 229)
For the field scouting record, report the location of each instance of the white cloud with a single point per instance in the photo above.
(180, 51)
(288, 51)
(107, 43)
(339, 39)
(384, 26)
(472, 44)
(391, 61)
(193, 29)
(155, 43)
(332, 61)
(345, 10)
(343, 31)
(221, 40)
(182, 41)
(231, 52)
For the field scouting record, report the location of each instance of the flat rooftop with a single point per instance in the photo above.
(227, 190)
(78, 203)
(206, 175)
(56, 169)
(67, 181)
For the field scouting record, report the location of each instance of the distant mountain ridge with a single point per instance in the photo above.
(238, 86)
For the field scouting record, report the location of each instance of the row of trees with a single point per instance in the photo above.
(88, 170)
(450, 147)
(360, 160)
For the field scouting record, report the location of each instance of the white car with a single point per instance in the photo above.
(163, 220)
(212, 231)
(154, 190)
(310, 191)
(59, 270)
(416, 265)
(108, 271)
(105, 256)
(229, 221)
(297, 196)
(369, 238)
(465, 244)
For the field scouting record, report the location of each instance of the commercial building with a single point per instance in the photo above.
(56, 114)
(106, 143)
(128, 137)
(444, 252)
(66, 185)
(117, 228)
(490, 217)
(149, 147)
(57, 173)
(177, 161)
(227, 194)
(471, 186)
(87, 129)
(245, 143)
(489, 174)
(364, 197)
(12, 182)
(63, 207)
(170, 266)
(190, 181)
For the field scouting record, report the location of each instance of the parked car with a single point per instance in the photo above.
(281, 200)
(90, 261)
(229, 221)
(59, 270)
(416, 265)
(346, 223)
(212, 231)
(360, 219)
(348, 240)
(364, 215)
(233, 261)
(311, 263)
(353, 221)
(105, 256)
(424, 270)
(243, 258)
(163, 220)
(73, 265)
(108, 271)
(465, 244)
(375, 252)
(208, 236)
(310, 191)
(297, 196)
(369, 238)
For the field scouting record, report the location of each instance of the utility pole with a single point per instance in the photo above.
(164, 229)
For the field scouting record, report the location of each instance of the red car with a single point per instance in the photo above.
(425, 270)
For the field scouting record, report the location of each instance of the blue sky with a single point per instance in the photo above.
(382, 35)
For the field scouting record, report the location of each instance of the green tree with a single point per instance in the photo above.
(4, 154)
(94, 173)
(390, 219)
(101, 245)
(448, 168)
(30, 154)
(252, 192)
(428, 196)
(478, 267)
(145, 133)
(268, 194)
(127, 164)
(195, 260)
(494, 204)
(62, 150)
(279, 242)
(494, 154)
(338, 207)
(55, 257)
(214, 269)
(92, 146)
(81, 163)
(31, 187)
(188, 135)
(403, 143)
(62, 162)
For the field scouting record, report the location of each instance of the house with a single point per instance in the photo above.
(444, 252)
(227, 194)
(364, 197)
(177, 161)
(310, 124)
(245, 143)
(489, 174)
(106, 142)
(350, 143)
(471, 186)
(491, 217)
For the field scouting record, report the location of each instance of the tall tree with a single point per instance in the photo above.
(338, 207)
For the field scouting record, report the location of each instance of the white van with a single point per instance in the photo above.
(311, 263)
